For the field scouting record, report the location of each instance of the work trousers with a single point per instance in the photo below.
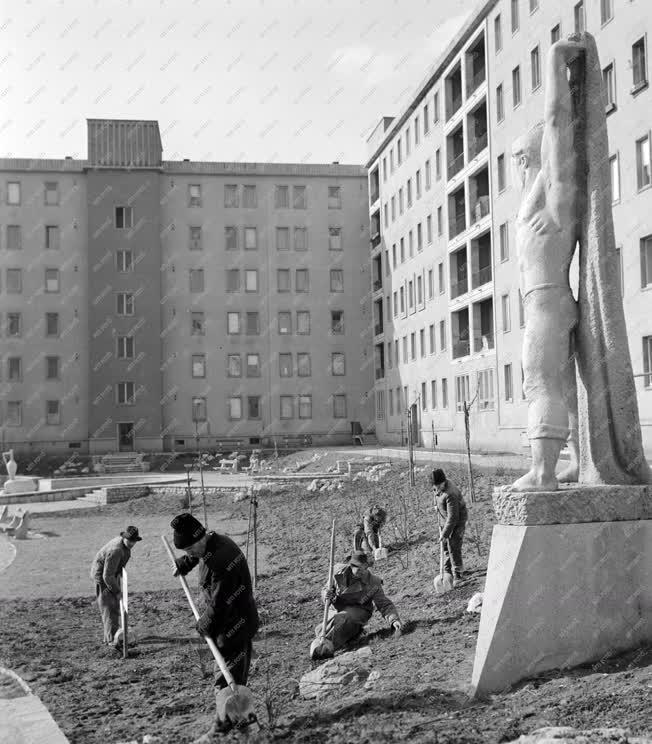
(109, 604)
(238, 661)
(455, 541)
(343, 626)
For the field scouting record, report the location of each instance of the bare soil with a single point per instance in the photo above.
(165, 689)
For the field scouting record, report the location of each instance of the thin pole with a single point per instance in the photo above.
(410, 448)
(255, 505)
(188, 489)
(249, 529)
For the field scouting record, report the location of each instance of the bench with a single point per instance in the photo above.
(229, 465)
(229, 443)
(303, 440)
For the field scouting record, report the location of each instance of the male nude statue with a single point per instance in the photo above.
(546, 237)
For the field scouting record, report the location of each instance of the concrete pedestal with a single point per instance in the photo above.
(567, 591)
(20, 484)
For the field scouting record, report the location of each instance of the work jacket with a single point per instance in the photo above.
(361, 594)
(370, 526)
(226, 585)
(451, 506)
(107, 565)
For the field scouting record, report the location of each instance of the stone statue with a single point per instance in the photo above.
(10, 464)
(578, 378)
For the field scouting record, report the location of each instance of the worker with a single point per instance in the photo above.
(106, 572)
(450, 505)
(367, 534)
(231, 616)
(353, 595)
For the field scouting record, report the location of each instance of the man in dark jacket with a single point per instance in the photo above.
(366, 535)
(230, 616)
(450, 505)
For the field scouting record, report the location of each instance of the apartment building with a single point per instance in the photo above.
(448, 316)
(149, 304)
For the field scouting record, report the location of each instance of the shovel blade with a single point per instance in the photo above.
(321, 648)
(443, 583)
(236, 708)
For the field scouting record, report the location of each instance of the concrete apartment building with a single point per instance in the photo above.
(145, 303)
(447, 309)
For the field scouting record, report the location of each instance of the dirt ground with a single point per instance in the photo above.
(164, 687)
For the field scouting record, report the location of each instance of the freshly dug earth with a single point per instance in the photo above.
(165, 689)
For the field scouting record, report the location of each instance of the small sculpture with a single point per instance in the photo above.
(10, 464)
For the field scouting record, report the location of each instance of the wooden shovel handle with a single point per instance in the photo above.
(330, 579)
(228, 677)
(441, 549)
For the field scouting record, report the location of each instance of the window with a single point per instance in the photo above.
(198, 365)
(287, 407)
(500, 105)
(196, 280)
(442, 335)
(337, 280)
(390, 362)
(409, 192)
(426, 122)
(52, 238)
(424, 397)
(420, 290)
(411, 243)
(413, 346)
(639, 64)
(253, 365)
(337, 363)
(231, 195)
(235, 408)
(386, 214)
(303, 364)
(234, 365)
(125, 303)
(13, 193)
(126, 347)
(500, 163)
(14, 238)
(579, 17)
(251, 238)
(429, 229)
(431, 284)
(334, 238)
(303, 322)
(285, 323)
(402, 250)
(253, 407)
(391, 161)
(14, 281)
(384, 169)
(194, 195)
(231, 238)
(253, 324)
(504, 241)
(507, 321)
(125, 393)
(124, 261)
(233, 280)
(555, 34)
(195, 238)
(516, 86)
(462, 391)
(515, 16)
(339, 406)
(440, 220)
(300, 239)
(433, 393)
(52, 412)
(419, 237)
(392, 202)
(337, 321)
(52, 325)
(400, 201)
(299, 197)
(435, 107)
(521, 310)
(399, 152)
(14, 369)
(14, 413)
(647, 361)
(646, 261)
(422, 341)
(387, 266)
(402, 296)
(282, 238)
(615, 179)
(334, 197)
(282, 197)
(444, 392)
(390, 395)
(609, 87)
(14, 325)
(283, 280)
(643, 177)
(380, 404)
(534, 5)
(498, 33)
(535, 68)
(249, 200)
(418, 183)
(302, 280)
(197, 323)
(51, 193)
(124, 218)
(305, 406)
(397, 353)
(486, 390)
(442, 286)
(438, 164)
(52, 280)
(251, 280)
(507, 376)
(232, 323)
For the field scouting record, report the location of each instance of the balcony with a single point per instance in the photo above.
(476, 72)
(482, 276)
(374, 186)
(456, 225)
(460, 287)
(483, 325)
(380, 373)
(453, 88)
(461, 349)
(483, 342)
(481, 260)
(480, 209)
(455, 166)
(378, 284)
(477, 145)
(476, 80)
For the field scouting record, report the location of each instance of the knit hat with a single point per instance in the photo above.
(187, 530)
(438, 476)
(359, 558)
(131, 533)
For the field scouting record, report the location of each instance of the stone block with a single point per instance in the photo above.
(568, 735)
(343, 673)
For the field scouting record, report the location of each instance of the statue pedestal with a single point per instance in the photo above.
(569, 581)
(20, 484)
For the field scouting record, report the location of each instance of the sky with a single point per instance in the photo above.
(241, 80)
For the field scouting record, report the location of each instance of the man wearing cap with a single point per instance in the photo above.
(450, 505)
(354, 594)
(106, 572)
(230, 616)
(367, 533)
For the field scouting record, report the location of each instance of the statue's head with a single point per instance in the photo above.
(526, 152)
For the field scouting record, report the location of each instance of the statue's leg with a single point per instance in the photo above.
(570, 473)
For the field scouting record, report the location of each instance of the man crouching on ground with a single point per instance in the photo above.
(230, 617)
(353, 595)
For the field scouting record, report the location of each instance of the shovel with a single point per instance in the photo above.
(444, 581)
(380, 553)
(322, 647)
(235, 703)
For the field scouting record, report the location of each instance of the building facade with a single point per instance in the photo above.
(151, 305)
(448, 316)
